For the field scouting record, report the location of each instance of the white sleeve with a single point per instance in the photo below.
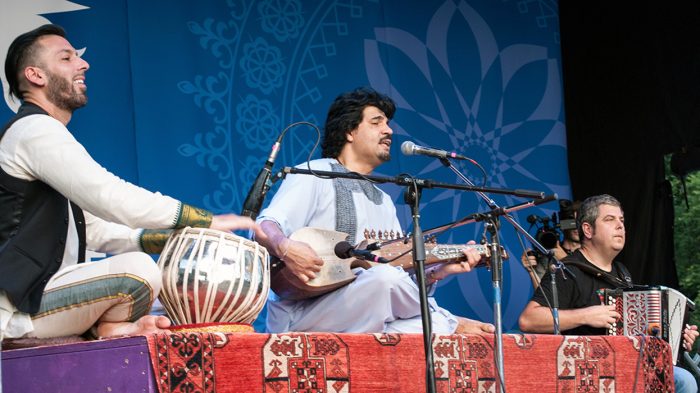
(295, 202)
(109, 237)
(44, 149)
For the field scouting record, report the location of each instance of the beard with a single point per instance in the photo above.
(62, 93)
(385, 156)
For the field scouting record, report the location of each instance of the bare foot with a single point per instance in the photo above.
(470, 326)
(147, 324)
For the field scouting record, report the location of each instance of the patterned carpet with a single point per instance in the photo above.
(323, 362)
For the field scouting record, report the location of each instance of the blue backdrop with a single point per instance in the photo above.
(187, 97)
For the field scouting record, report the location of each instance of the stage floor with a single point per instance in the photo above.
(325, 362)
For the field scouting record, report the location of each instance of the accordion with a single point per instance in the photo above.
(653, 311)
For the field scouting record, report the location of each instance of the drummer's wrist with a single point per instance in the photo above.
(191, 216)
(152, 241)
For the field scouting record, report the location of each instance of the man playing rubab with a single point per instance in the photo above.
(383, 298)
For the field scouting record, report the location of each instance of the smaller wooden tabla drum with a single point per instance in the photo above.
(213, 276)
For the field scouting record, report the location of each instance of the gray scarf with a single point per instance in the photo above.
(345, 211)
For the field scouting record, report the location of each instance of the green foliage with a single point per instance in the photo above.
(687, 237)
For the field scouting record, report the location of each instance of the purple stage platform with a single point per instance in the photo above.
(118, 366)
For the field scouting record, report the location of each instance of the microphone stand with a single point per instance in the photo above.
(492, 226)
(412, 198)
(415, 187)
(554, 265)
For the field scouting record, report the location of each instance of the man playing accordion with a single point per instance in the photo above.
(601, 226)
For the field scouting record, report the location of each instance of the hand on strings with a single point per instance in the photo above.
(300, 259)
(602, 316)
(473, 257)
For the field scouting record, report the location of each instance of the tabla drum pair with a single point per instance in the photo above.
(213, 276)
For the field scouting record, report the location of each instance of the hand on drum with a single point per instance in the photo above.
(301, 259)
(233, 222)
(448, 269)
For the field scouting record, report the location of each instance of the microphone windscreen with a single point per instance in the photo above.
(407, 148)
(342, 250)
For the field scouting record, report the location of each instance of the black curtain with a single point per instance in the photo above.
(632, 94)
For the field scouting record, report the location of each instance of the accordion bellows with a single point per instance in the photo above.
(654, 311)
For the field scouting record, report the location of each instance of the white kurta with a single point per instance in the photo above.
(39, 147)
(381, 299)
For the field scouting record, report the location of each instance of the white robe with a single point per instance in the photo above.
(381, 299)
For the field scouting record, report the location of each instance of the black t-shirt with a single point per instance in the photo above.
(583, 289)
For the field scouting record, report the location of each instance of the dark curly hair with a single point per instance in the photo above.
(22, 53)
(345, 114)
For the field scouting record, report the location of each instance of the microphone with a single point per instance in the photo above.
(256, 195)
(409, 148)
(346, 250)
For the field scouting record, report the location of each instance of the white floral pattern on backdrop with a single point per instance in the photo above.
(187, 98)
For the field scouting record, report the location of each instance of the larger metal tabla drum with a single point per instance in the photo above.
(212, 276)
